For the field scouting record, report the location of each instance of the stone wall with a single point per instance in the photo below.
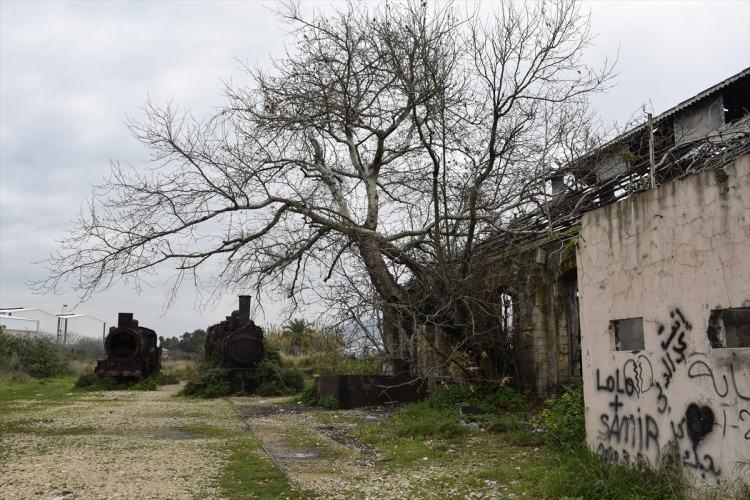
(675, 263)
(545, 319)
(548, 351)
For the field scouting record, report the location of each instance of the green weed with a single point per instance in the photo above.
(578, 472)
(563, 416)
(508, 453)
(309, 396)
(37, 390)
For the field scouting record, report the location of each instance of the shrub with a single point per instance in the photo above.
(207, 382)
(37, 357)
(328, 402)
(490, 397)
(563, 416)
(154, 382)
(506, 398)
(309, 396)
(94, 382)
(268, 378)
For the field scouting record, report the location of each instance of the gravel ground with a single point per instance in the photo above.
(120, 444)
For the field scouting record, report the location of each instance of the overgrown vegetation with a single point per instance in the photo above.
(270, 377)
(578, 472)
(320, 351)
(94, 382)
(35, 357)
(498, 422)
(309, 396)
(451, 411)
(563, 416)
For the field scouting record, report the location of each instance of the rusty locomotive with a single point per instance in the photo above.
(132, 350)
(237, 342)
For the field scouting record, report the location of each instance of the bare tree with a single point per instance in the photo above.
(374, 155)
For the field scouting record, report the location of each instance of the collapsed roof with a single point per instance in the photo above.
(707, 131)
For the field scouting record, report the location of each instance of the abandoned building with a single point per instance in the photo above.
(664, 280)
(641, 284)
(664, 284)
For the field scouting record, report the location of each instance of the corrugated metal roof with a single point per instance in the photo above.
(14, 318)
(79, 315)
(671, 111)
(706, 93)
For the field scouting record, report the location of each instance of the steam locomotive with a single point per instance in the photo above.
(237, 342)
(131, 350)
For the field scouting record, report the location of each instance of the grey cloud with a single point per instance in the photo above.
(71, 71)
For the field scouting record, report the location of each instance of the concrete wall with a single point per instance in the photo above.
(670, 256)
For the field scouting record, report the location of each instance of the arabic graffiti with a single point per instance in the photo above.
(628, 431)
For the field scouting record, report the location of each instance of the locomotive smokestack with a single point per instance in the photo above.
(124, 320)
(244, 306)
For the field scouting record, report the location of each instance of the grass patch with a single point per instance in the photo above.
(36, 389)
(250, 474)
(579, 472)
(405, 452)
(503, 453)
(422, 421)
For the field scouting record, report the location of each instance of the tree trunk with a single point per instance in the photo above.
(395, 328)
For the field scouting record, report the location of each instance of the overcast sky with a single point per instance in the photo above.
(71, 71)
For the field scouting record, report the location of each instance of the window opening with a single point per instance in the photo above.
(628, 334)
(729, 328)
(506, 315)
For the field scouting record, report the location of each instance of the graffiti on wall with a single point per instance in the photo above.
(629, 432)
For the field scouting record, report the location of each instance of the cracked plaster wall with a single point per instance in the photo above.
(669, 255)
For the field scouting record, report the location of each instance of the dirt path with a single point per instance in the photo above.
(128, 445)
(322, 459)
(319, 454)
(121, 444)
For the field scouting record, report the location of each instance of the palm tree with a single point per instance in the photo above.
(298, 332)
